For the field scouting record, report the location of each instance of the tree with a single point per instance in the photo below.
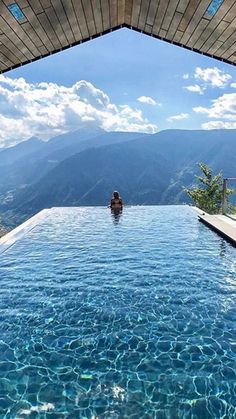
(207, 195)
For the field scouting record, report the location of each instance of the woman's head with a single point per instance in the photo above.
(116, 194)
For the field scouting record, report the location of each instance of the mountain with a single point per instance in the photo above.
(88, 178)
(10, 155)
(148, 170)
(23, 173)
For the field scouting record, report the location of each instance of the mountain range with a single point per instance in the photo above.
(84, 167)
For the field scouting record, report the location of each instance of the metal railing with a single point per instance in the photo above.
(229, 204)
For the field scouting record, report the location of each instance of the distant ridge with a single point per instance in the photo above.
(146, 169)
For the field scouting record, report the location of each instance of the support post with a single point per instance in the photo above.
(224, 199)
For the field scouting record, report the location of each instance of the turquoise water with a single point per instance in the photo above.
(118, 318)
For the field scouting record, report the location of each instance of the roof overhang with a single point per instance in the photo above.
(33, 29)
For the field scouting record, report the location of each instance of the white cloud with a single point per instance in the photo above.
(212, 76)
(200, 109)
(178, 117)
(147, 99)
(233, 85)
(222, 112)
(219, 125)
(224, 107)
(48, 109)
(186, 76)
(195, 89)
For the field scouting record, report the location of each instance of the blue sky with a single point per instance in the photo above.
(130, 82)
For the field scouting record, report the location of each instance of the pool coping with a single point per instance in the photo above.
(17, 233)
(219, 224)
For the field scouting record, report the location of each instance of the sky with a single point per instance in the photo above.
(122, 81)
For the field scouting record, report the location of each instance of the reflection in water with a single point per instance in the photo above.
(116, 215)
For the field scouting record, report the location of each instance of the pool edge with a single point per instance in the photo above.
(220, 227)
(17, 233)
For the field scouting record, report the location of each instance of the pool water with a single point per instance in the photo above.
(118, 317)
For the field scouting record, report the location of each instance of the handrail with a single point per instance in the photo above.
(224, 195)
(224, 198)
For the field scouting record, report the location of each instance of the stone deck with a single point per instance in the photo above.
(222, 224)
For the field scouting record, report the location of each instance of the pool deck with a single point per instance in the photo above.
(222, 224)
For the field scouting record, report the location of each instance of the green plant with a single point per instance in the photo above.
(207, 195)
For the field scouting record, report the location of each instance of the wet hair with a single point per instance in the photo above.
(116, 194)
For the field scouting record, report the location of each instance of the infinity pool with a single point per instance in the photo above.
(130, 317)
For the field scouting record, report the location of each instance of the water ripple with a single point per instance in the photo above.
(126, 319)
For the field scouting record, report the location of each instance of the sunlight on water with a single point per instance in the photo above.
(126, 317)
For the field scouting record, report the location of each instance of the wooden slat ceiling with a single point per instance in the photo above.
(49, 26)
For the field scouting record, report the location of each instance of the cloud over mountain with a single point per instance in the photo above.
(224, 107)
(47, 109)
(218, 125)
(178, 117)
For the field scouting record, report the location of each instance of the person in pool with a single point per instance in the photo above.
(116, 202)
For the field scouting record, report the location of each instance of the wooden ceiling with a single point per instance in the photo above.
(43, 27)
